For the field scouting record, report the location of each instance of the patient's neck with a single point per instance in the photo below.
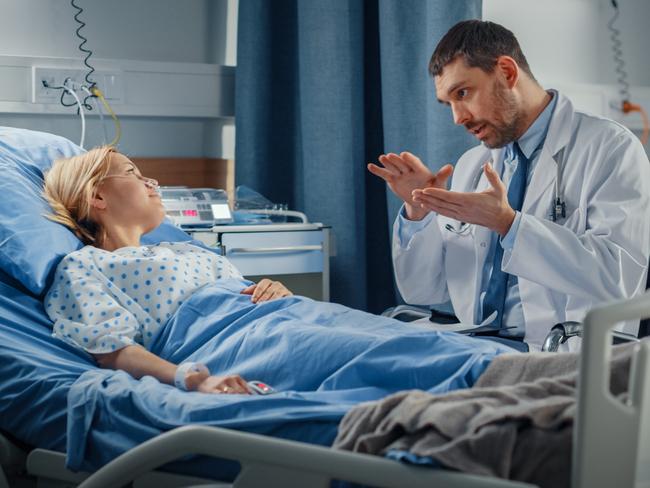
(118, 237)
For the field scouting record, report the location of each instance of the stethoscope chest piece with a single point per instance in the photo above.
(463, 228)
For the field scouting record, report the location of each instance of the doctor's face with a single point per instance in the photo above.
(480, 101)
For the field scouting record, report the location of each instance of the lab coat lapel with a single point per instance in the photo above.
(546, 168)
(496, 158)
(483, 235)
(544, 175)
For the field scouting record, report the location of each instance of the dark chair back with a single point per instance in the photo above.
(644, 326)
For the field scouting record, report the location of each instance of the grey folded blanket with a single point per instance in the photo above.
(515, 423)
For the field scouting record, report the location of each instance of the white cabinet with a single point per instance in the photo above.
(295, 254)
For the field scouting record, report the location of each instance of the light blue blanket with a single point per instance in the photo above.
(322, 358)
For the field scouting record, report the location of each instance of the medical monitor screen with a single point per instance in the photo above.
(221, 212)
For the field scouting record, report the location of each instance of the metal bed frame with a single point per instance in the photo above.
(611, 441)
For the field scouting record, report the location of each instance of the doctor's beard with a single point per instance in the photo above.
(508, 117)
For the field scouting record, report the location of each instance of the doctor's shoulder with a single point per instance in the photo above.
(607, 151)
(611, 144)
(599, 130)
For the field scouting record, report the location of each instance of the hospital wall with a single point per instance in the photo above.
(169, 31)
(568, 45)
(566, 41)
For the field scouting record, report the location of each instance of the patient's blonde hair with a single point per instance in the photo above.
(69, 187)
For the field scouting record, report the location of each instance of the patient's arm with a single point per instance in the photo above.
(139, 362)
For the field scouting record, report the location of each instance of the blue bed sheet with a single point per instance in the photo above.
(36, 371)
(323, 358)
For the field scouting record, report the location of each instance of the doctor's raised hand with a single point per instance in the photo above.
(405, 173)
(488, 208)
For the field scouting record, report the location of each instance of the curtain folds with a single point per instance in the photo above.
(322, 88)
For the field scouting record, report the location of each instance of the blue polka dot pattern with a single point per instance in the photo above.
(118, 306)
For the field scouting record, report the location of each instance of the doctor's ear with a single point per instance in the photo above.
(508, 69)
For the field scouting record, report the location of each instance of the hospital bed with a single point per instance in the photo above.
(611, 446)
(268, 461)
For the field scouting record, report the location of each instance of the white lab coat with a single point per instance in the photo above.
(598, 253)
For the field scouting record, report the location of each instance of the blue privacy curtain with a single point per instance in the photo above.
(322, 88)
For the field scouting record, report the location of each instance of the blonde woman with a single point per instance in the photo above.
(111, 297)
(173, 310)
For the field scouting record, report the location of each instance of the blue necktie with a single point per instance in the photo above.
(495, 295)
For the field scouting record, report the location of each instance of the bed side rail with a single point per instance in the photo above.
(612, 438)
(268, 461)
(12, 458)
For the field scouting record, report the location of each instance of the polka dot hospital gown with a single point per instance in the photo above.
(102, 301)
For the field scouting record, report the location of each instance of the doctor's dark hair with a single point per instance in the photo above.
(480, 43)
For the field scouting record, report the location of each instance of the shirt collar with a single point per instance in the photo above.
(534, 137)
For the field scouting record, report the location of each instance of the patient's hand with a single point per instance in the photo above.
(266, 290)
(228, 384)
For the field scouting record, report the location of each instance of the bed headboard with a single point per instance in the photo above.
(191, 172)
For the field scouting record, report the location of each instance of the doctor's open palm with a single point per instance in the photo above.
(404, 173)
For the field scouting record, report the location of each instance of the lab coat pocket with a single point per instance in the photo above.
(575, 220)
(458, 233)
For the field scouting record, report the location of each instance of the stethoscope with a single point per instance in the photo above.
(558, 210)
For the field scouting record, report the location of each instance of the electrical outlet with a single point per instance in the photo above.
(43, 79)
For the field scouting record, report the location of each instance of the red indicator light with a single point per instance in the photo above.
(190, 213)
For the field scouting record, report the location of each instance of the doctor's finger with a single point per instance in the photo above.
(390, 165)
(446, 197)
(384, 174)
(454, 197)
(421, 196)
(444, 173)
(399, 163)
(493, 177)
(442, 209)
(412, 161)
(445, 208)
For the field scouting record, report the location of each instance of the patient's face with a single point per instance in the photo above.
(130, 199)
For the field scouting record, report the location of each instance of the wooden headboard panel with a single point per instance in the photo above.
(191, 172)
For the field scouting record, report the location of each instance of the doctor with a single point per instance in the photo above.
(546, 218)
